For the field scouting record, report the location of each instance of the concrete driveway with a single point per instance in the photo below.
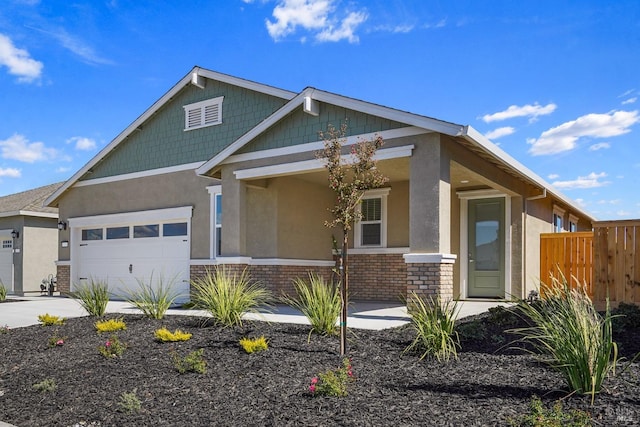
(24, 311)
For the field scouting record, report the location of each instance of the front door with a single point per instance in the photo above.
(486, 261)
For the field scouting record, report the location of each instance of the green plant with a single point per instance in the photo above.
(571, 336)
(539, 416)
(56, 340)
(153, 299)
(253, 345)
(473, 329)
(333, 382)
(319, 301)
(4, 329)
(502, 316)
(46, 385)
(165, 335)
(227, 296)
(129, 402)
(110, 325)
(92, 296)
(3, 292)
(49, 320)
(192, 362)
(113, 347)
(434, 323)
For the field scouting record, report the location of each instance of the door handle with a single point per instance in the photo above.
(130, 268)
(471, 258)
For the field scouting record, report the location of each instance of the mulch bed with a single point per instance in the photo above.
(489, 384)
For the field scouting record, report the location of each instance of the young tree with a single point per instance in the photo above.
(349, 178)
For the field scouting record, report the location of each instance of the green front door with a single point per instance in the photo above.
(486, 248)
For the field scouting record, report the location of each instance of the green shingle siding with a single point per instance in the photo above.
(300, 128)
(162, 141)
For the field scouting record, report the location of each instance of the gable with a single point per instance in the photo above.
(300, 128)
(162, 141)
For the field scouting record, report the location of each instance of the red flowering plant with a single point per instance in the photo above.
(113, 347)
(333, 382)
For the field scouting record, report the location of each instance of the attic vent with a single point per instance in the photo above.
(203, 113)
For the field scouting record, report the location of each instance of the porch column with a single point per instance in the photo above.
(234, 199)
(429, 263)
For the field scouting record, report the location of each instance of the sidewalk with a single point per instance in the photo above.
(362, 315)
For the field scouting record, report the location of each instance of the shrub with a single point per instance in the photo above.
(539, 416)
(113, 347)
(165, 335)
(253, 345)
(4, 329)
(49, 320)
(625, 317)
(228, 296)
(93, 297)
(129, 402)
(56, 340)
(434, 324)
(192, 362)
(3, 292)
(319, 301)
(333, 382)
(46, 385)
(571, 336)
(110, 325)
(153, 300)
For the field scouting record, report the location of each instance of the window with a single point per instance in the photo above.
(92, 234)
(117, 233)
(215, 192)
(174, 229)
(7, 244)
(371, 230)
(203, 113)
(142, 231)
(573, 223)
(558, 215)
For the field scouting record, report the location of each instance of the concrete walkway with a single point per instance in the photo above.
(362, 315)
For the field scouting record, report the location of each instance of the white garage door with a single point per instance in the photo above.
(124, 250)
(6, 259)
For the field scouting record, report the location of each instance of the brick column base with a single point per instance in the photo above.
(63, 277)
(430, 275)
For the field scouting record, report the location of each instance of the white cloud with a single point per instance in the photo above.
(17, 147)
(18, 61)
(10, 173)
(531, 111)
(553, 176)
(76, 45)
(565, 137)
(82, 143)
(599, 146)
(440, 24)
(592, 180)
(630, 101)
(500, 132)
(316, 16)
(581, 203)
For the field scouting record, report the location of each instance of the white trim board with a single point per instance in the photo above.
(142, 174)
(314, 165)
(183, 212)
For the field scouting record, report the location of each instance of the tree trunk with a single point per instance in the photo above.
(345, 294)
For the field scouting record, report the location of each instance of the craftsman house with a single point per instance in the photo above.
(222, 170)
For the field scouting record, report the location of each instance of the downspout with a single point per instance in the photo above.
(524, 237)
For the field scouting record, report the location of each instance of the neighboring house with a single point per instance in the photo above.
(28, 240)
(222, 170)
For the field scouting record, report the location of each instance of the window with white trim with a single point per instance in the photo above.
(203, 113)
(558, 216)
(573, 223)
(215, 192)
(371, 230)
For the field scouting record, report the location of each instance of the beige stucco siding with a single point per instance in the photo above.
(398, 215)
(40, 237)
(140, 194)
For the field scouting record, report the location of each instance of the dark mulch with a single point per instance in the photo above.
(487, 385)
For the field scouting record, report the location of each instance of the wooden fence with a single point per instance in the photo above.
(606, 260)
(568, 254)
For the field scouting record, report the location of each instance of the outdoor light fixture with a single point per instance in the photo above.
(15, 234)
(62, 225)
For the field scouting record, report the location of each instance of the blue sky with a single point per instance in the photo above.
(555, 83)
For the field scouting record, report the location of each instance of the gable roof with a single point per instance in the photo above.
(30, 202)
(192, 77)
(467, 135)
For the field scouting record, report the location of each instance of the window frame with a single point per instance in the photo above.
(215, 193)
(558, 213)
(378, 193)
(200, 108)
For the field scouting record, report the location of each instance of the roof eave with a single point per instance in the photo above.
(475, 137)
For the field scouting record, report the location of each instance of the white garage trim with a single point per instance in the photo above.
(183, 212)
